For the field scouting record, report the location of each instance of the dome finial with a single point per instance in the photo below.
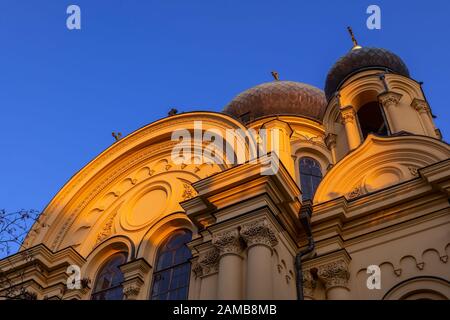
(355, 43)
(275, 75)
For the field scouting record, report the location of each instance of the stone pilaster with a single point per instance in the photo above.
(135, 273)
(330, 141)
(230, 246)
(389, 100)
(422, 107)
(260, 238)
(348, 119)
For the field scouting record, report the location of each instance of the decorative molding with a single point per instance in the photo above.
(258, 232)
(420, 105)
(209, 261)
(309, 284)
(188, 192)
(334, 274)
(228, 242)
(414, 171)
(356, 192)
(197, 269)
(330, 140)
(347, 115)
(107, 229)
(389, 98)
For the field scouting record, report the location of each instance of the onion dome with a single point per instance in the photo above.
(278, 98)
(359, 59)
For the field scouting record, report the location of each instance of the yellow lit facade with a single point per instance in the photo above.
(379, 185)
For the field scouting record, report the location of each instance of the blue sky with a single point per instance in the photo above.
(63, 92)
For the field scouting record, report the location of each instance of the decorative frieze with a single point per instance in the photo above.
(258, 232)
(228, 242)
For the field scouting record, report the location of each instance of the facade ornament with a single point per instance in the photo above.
(330, 140)
(356, 192)
(334, 274)
(309, 284)
(420, 105)
(414, 171)
(348, 115)
(197, 269)
(131, 292)
(398, 272)
(389, 98)
(188, 192)
(209, 261)
(258, 232)
(107, 229)
(228, 242)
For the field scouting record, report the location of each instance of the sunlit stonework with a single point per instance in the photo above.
(367, 155)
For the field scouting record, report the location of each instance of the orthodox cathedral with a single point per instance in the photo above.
(358, 208)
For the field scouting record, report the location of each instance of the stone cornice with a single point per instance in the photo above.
(245, 184)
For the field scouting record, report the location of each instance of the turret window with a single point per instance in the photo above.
(371, 120)
(310, 177)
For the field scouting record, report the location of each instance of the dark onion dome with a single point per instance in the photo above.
(278, 98)
(360, 59)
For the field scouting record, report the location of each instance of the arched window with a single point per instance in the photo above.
(310, 177)
(371, 120)
(172, 271)
(108, 284)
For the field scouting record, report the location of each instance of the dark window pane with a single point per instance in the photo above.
(109, 279)
(310, 177)
(171, 277)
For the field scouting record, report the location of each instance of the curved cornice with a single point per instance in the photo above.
(378, 163)
(153, 134)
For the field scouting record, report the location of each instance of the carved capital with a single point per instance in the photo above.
(388, 99)
(209, 261)
(309, 284)
(347, 115)
(258, 232)
(330, 140)
(131, 288)
(420, 105)
(334, 274)
(228, 242)
(197, 269)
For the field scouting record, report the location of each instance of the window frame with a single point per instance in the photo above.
(105, 264)
(314, 188)
(172, 267)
